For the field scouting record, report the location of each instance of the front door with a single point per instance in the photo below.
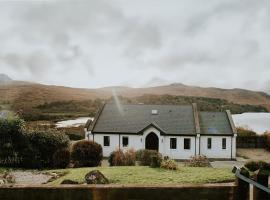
(151, 141)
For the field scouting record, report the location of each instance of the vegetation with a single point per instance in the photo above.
(255, 165)
(243, 132)
(61, 158)
(20, 147)
(267, 136)
(198, 161)
(120, 158)
(144, 156)
(204, 103)
(86, 153)
(169, 164)
(45, 144)
(142, 175)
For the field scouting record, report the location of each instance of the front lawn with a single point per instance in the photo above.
(153, 176)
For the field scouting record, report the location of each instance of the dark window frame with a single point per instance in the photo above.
(106, 141)
(173, 143)
(125, 143)
(224, 143)
(209, 143)
(187, 146)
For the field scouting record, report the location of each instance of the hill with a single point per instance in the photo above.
(39, 100)
(5, 79)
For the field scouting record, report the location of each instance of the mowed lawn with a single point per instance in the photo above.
(141, 175)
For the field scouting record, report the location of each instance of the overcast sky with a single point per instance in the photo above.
(96, 43)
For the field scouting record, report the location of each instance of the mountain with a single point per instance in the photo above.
(239, 96)
(4, 79)
(45, 98)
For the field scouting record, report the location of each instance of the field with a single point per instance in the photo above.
(143, 175)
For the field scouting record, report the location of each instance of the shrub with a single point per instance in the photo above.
(255, 165)
(198, 161)
(61, 158)
(156, 161)
(110, 159)
(169, 164)
(130, 157)
(86, 153)
(144, 156)
(120, 158)
(45, 143)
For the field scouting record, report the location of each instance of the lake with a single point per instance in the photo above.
(73, 122)
(258, 122)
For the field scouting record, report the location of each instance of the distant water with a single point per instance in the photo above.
(73, 122)
(258, 122)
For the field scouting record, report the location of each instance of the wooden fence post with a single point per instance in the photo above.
(261, 178)
(242, 189)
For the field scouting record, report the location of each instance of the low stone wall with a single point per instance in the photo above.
(117, 192)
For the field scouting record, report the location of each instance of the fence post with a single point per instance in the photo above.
(242, 186)
(262, 178)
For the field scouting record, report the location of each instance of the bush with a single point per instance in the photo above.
(61, 158)
(156, 161)
(144, 156)
(130, 157)
(255, 165)
(198, 161)
(13, 141)
(169, 164)
(243, 131)
(86, 153)
(120, 158)
(45, 143)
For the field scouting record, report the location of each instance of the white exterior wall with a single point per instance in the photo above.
(196, 145)
(216, 150)
(179, 152)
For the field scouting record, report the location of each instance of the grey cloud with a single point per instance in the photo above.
(97, 42)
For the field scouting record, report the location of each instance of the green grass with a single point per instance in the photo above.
(152, 176)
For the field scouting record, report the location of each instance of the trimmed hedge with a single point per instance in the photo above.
(86, 153)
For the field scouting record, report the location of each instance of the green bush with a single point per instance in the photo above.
(144, 156)
(86, 154)
(46, 143)
(169, 164)
(255, 165)
(156, 161)
(12, 141)
(120, 158)
(198, 161)
(61, 158)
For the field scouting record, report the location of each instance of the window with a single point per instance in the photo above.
(223, 143)
(186, 143)
(173, 142)
(209, 143)
(106, 141)
(125, 141)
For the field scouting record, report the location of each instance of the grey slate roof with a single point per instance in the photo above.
(171, 119)
(214, 123)
(134, 118)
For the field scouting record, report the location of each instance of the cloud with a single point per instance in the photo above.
(98, 43)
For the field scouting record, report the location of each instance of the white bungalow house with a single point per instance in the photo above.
(175, 131)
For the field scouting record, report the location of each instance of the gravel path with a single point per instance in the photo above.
(21, 177)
